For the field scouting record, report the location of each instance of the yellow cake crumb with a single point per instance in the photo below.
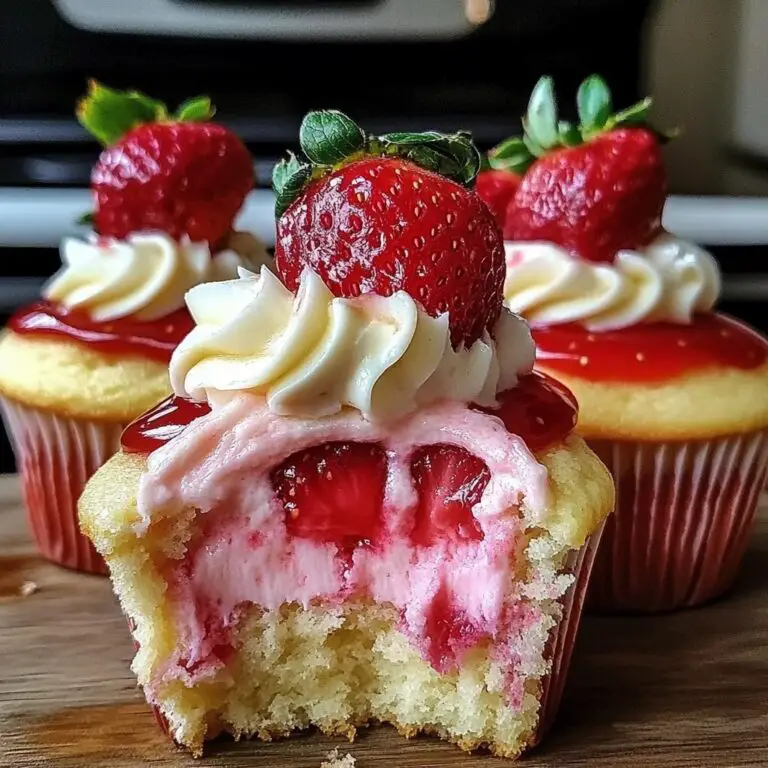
(76, 381)
(332, 760)
(707, 404)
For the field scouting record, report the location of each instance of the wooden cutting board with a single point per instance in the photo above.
(689, 689)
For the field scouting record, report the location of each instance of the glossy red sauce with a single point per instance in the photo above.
(653, 352)
(155, 339)
(539, 409)
(168, 418)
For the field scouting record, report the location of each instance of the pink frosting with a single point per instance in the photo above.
(242, 554)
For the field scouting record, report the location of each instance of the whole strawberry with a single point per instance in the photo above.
(389, 213)
(179, 174)
(593, 189)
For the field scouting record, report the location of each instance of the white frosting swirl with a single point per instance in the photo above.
(669, 279)
(145, 276)
(312, 354)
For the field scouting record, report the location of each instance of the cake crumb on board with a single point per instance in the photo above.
(332, 760)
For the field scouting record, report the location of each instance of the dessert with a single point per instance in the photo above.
(93, 353)
(673, 395)
(360, 503)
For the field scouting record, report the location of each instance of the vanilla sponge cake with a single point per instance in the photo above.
(340, 664)
(76, 381)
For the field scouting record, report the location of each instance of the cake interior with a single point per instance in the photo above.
(344, 666)
(210, 660)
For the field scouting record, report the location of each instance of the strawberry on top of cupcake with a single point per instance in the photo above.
(359, 483)
(93, 352)
(623, 312)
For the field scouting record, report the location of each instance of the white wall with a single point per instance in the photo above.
(690, 65)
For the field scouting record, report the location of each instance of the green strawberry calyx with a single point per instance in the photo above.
(329, 140)
(109, 114)
(544, 132)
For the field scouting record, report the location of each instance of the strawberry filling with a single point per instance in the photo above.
(419, 515)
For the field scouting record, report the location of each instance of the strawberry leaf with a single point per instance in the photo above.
(511, 155)
(637, 114)
(329, 137)
(452, 155)
(594, 103)
(196, 110)
(541, 118)
(85, 220)
(410, 139)
(288, 179)
(433, 159)
(109, 114)
(570, 135)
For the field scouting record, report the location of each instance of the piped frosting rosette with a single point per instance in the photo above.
(667, 280)
(312, 354)
(145, 276)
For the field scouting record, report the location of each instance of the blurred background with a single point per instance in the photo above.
(392, 65)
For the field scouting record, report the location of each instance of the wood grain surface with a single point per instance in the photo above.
(689, 689)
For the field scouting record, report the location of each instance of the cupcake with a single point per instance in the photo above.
(360, 504)
(93, 353)
(673, 394)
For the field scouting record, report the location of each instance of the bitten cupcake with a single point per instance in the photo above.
(673, 395)
(360, 504)
(80, 364)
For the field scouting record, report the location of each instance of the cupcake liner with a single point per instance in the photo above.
(562, 639)
(56, 455)
(684, 513)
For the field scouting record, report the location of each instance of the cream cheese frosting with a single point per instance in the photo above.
(145, 276)
(312, 354)
(670, 279)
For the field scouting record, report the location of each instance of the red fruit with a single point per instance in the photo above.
(181, 178)
(496, 189)
(449, 633)
(539, 409)
(449, 482)
(593, 199)
(385, 224)
(333, 493)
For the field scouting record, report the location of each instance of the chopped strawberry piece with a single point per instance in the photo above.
(333, 493)
(449, 632)
(449, 482)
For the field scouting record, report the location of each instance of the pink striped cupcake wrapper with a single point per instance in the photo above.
(562, 639)
(56, 455)
(684, 514)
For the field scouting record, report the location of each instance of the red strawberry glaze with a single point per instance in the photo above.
(653, 352)
(125, 336)
(539, 409)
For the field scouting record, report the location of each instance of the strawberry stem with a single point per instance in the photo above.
(543, 132)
